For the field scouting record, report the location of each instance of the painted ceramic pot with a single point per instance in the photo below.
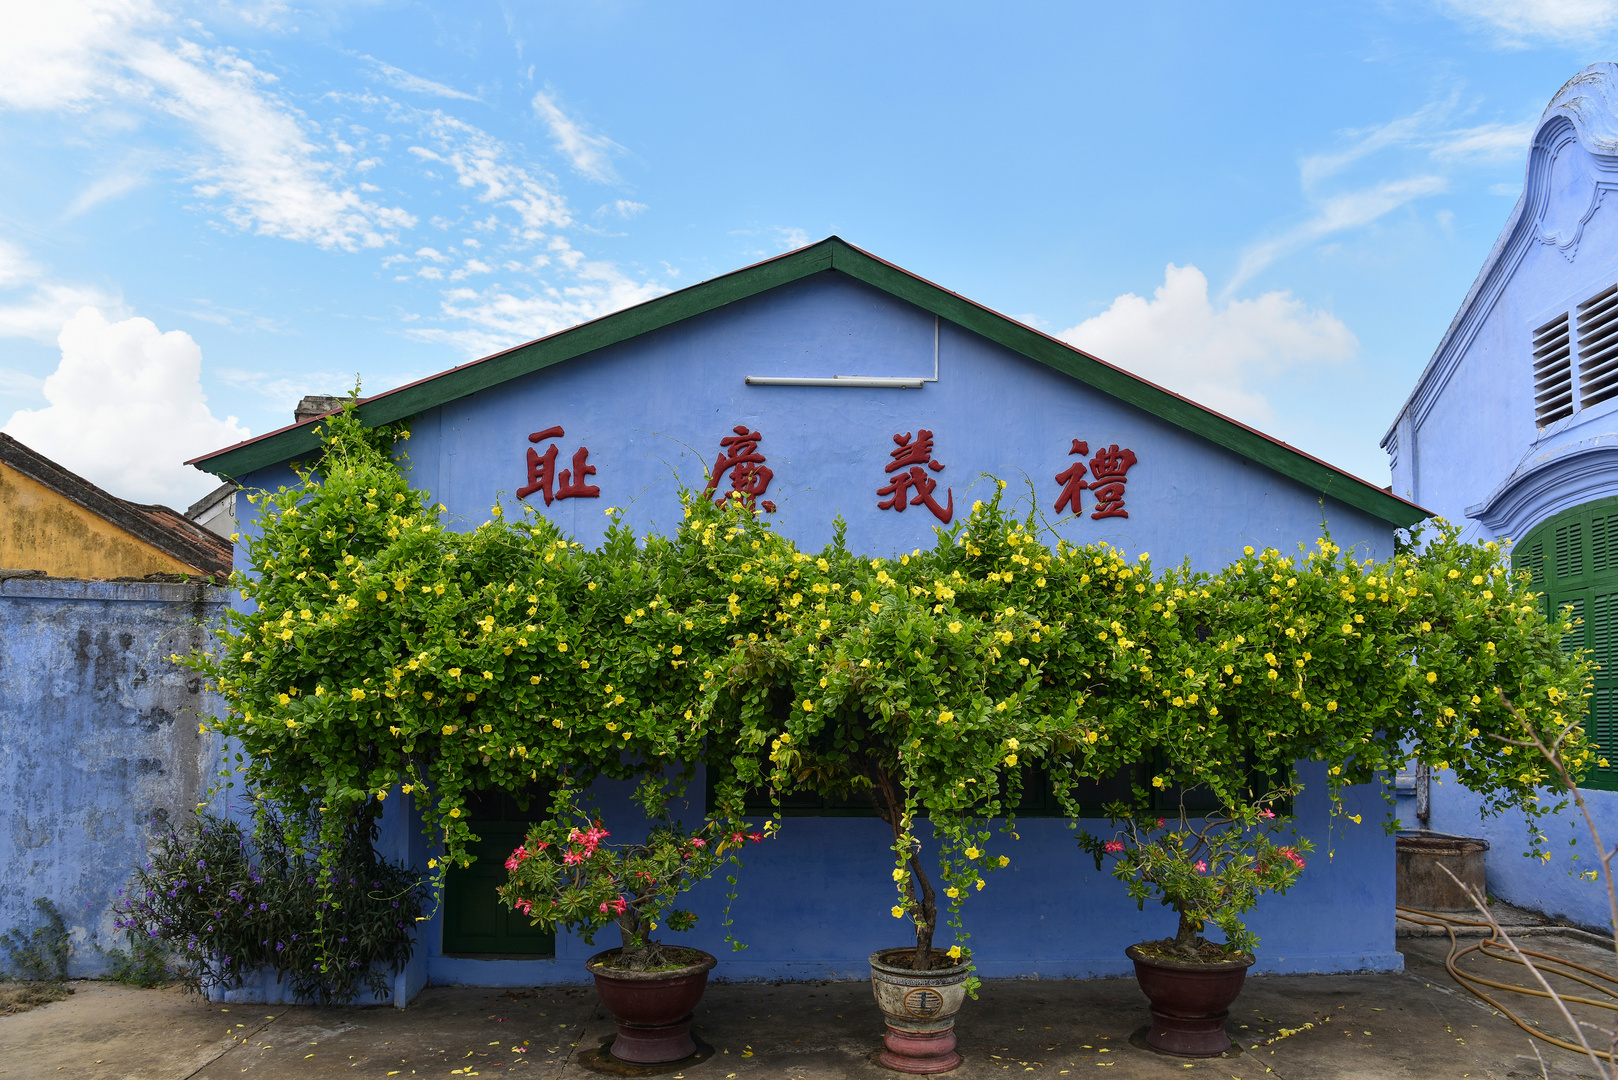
(1190, 1002)
(652, 1008)
(920, 1008)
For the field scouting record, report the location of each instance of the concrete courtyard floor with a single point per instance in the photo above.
(1414, 1024)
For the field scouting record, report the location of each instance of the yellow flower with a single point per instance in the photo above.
(955, 627)
(533, 680)
(972, 852)
(456, 812)
(898, 912)
(1005, 860)
(1013, 744)
(808, 706)
(1355, 818)
(1157, 782)
(431, 863)
(455, 673)
(1248, 550)
(283, 699)
(952, 892)
(677, 650)
(954, 950)
(1011, 759)
(561, 646)
(408, 788)
(381, 795)
(898, 874)
(357, 694)
(945, 717)
(1432, 676)
(980, 880)
(381, 595)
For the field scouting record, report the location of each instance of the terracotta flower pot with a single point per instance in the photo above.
(653, 1008)
(920, 1008)
(1190, 1001)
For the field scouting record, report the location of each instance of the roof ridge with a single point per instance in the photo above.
(832, 253)
(209, 554)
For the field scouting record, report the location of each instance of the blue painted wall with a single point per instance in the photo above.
(652, 412)
(98, 737)
(1467, 447)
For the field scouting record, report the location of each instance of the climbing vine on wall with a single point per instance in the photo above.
(380, 649)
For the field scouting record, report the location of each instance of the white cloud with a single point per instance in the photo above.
(624, 208)
(32, 306)
(126, 409)
(128, 176)
(1214, 354)
(260, 161)
(1488, 143)
(1339, 212)
(501, 316)
(590, 154)
(404, 80)
(1558, 20)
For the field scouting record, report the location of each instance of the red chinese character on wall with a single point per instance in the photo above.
(749, 476)
(1109, 468)
(910, 485)
(1073, 482)
(542, 474)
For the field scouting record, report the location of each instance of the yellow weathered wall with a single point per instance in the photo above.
(40, 530)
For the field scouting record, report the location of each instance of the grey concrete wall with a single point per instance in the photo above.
(98, 740)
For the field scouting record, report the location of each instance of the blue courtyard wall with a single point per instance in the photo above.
(99, 745)
(1466, 444)
(651, 412)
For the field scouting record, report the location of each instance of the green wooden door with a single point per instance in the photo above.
(1573, 558)
(476, 923)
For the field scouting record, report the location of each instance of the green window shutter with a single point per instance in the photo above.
(1569, 548)
(1573, 559)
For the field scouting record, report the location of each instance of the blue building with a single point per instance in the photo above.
(1512, 429)
(827, 382)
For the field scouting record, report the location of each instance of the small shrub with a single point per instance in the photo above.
(41, 956)
(224, 903)
(144, 963)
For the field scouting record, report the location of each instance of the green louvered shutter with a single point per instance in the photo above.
(1573, 559)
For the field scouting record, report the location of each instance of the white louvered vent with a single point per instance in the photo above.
(1598, 348)
(1553, 372)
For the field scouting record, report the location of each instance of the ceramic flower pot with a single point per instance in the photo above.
(652, 1008)
(920, 1008)
(1190, 1001)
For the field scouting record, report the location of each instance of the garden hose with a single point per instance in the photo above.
(1547, 964)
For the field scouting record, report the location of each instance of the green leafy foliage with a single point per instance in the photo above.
(224, 904)
(41, 954)
(565, 874)
(382, 650)
(1212, 870)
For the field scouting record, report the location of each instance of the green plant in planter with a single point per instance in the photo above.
(1208, 870)
(927, 683)
(565, 873)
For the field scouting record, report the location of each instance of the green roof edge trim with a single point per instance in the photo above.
(832, 253)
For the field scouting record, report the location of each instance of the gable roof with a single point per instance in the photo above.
(166, 530)
(830, 254)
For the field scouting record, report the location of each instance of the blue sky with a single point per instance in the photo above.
(209, 209)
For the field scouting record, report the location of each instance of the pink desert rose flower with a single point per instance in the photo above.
(1114, 846)
(1267, 814)
(756, 837)
(1200, 867)
(1160, 822)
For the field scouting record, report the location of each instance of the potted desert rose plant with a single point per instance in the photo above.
(568, 873)
(1209, 870)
